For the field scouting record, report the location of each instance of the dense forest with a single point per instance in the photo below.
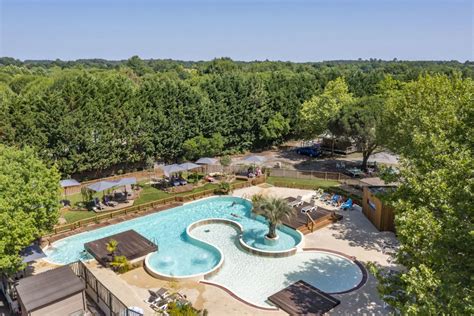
(97, 116)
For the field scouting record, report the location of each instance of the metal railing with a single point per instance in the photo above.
(115, 307)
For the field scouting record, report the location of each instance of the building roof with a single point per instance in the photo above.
(301, 298)
(68, 183)
(131, 244)
(48, 287)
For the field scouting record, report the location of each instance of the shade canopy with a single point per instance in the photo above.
(68, 183)
(170, 169)
(207, 161)
(189, 166)
(31, 253)
(254, 159)
(126, 181)
(46, 288)
(101, 186)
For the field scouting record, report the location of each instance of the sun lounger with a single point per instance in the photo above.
(309, 208)
(295, 202)
(347, 205)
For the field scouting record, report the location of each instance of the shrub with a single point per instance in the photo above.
(223, 188)
(120, 264)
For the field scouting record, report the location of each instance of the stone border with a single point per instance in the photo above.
(353, 259)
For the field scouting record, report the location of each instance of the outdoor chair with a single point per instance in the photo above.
(297, 202)
(309, 208)
(347, 205)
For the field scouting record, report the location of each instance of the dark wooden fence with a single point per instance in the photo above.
(106, 300)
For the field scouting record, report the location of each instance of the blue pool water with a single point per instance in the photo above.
(255, 278)
(177, 254)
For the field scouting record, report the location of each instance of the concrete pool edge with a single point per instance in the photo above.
(362, 282)
(359, 264)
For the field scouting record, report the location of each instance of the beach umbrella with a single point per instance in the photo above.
(254, 159)
(206, 161)
(170, 169)
(126, 181)
(101, 186)
(189, 166)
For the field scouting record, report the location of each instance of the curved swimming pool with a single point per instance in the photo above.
(178, 255)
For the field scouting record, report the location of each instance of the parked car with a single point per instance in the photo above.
(311, 151)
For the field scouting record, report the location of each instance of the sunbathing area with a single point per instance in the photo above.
(341, 243)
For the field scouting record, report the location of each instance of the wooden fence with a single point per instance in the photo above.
(146, 207)
(307, 174)
(106, 300)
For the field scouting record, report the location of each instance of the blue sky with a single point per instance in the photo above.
(295, 30)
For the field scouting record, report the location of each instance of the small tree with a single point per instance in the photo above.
(120, 264)
(112, 247)
(225, 161)
(223, 188)
(86, 194)
(273, 209)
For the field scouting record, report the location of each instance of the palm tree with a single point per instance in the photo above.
(112, 247)
(273, 209)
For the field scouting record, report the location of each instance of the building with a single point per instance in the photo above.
(57, 292)
(379, 213)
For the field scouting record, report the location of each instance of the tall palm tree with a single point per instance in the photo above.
(273, 209)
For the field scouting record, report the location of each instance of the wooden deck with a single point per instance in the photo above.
(299, 220)
(302, 298)
(131, 244)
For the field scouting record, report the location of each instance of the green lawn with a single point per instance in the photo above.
(320, 183)
(72, 216)
(148, 194)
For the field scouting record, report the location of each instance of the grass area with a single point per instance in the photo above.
(72, 216)
(320, 183)
(148, 194)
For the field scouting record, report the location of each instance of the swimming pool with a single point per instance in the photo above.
(255, 278)
(178, 255)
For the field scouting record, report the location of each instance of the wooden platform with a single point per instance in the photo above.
(302, 298)
(131, 244)
(321, 217)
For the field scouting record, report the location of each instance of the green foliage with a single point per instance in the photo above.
(275, 129)
(358, 121)
(86, 194)
(320, 109)
(201, 146)
(177, 309)
(223, 188)
(225, 160)
(29, 195)
(93, 117)
(429, 122)
(111, 246)
(273, 209)
(120, 264)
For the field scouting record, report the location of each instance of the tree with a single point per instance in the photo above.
(29, 203)
(273, 209)
(275, 129)
(358, 122)
(429, 122)
(318, 111)
(201, 146)
(120, 264)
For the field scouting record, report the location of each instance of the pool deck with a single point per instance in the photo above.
(353, 236)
